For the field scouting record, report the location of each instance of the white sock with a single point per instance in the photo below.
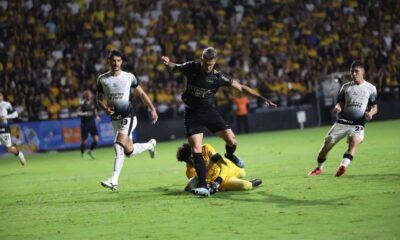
(118, 163)
(140, 147)
(321, 165)
(346, 162)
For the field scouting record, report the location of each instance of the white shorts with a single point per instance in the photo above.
(339, 131)
(125, 126)
(5, 139)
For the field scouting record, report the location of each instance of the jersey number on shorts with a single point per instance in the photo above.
(358, 128)
(124, 121)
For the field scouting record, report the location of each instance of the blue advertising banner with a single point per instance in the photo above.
(57, 134)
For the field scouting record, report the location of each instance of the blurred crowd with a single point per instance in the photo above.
(51, 51)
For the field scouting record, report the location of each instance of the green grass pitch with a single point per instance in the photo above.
(58, 195)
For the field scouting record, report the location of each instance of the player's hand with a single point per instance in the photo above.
(165, 59)
(154, 116)
(214, 186)
(368, 116)
(337, 109)
(270, 104)
(2, 119)
(110, 111)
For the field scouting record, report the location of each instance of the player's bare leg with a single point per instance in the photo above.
(353, 141)
(322, 155)
(17, 153)
(230, 146)
(132, 149)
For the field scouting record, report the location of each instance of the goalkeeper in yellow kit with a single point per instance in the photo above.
(221, 173)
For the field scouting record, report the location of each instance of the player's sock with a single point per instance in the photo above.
(21, 157)
(82, 148)
(93, 146)
(200, 167)
(139, 148)
(230, 149)
(347, 158)
(118, 162)
(321, 162)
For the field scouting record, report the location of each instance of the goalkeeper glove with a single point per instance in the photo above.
(213, 187)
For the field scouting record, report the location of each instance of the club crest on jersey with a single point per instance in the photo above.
(209, 79)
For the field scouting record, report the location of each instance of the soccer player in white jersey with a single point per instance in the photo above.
(7, 112)
(353, 103)
(114, 96)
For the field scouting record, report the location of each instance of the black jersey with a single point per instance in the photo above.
(201, 87)
(88, 107)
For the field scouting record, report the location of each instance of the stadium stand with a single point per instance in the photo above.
(51, 51)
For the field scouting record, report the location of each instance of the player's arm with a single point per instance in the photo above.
(223, 173)
(190, 171)
(167, 62)
(251, 92)
(145, 98)
(372, 112)
(340, 101)
(100, 100)
(80, 112)
(96, 113)
(374, 106)
(11, 113)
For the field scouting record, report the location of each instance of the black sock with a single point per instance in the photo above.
(230, 149)
(348, 155)
(82, 148)
(321, 160)
(200, 167)
(94, 144)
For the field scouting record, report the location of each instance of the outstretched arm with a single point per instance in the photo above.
(252, 92)
(145, 98)
(168, 62)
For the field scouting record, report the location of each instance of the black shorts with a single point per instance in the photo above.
(196, 120)
(86, 129)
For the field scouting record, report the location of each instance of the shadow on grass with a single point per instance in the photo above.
(373, 176)
(283, 201)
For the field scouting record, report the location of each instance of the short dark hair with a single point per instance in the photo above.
(115, 53)
(356, 63)
(209, 53)
(184, 152)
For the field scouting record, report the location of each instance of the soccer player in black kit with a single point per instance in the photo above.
(88, 113)
(203, 81)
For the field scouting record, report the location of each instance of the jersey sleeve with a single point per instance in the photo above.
(184, 67)
(11, 113)
(224, 80)
(190, 171)
(373, 97)
(341, 96)
(134, 82)
(224, 169)
(208, 151)
(99, 86)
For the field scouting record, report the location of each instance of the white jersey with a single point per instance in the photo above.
(355, 99)
(117, 90)
(6, 112)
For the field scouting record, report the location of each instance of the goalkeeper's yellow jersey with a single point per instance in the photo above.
(223, 168)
